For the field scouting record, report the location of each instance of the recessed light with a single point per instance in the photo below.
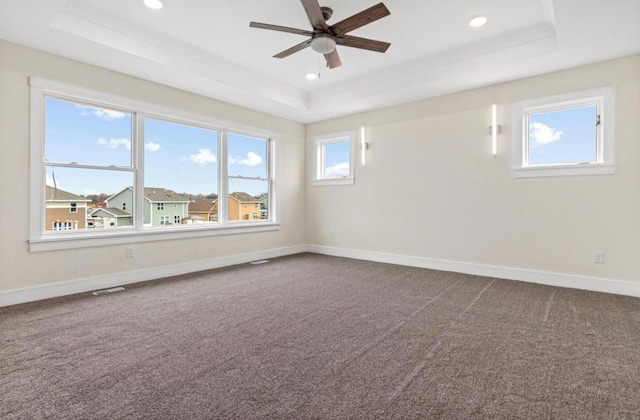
(312, 76)
(153, 4)
(478, 21)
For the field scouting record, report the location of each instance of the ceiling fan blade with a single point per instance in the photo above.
(294, 49)
(333, 59)
(360, 19)
(280, 28)
(363, 43)
(312, 8)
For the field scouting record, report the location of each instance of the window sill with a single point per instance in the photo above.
(565, 170)
(335, 181)
(84, 240)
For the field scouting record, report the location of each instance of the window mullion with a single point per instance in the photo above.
(137, 159)
(525, 137)
(223, 177)
(599, 143)
(271, 153)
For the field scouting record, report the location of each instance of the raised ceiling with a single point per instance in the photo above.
(207, 47)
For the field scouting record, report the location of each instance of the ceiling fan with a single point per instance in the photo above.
(324, 38)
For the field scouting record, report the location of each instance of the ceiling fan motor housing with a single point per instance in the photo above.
(327, 12)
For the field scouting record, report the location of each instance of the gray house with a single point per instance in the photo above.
(109, 217)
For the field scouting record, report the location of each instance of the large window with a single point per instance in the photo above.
(103, 163)
(334, 159)
(565, 135)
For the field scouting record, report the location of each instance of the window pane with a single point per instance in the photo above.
(248, 200)
(247, 156)
(180, 173)
(79, 199)
(86, 135)
(563, 136)
(336, 159)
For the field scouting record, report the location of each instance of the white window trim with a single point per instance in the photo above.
(318, 158)
(39, 241)
(605, 164)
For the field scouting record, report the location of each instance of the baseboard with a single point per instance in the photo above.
(596, 284)
(30, 294)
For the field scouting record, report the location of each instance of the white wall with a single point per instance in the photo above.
(431, 188)
(20, 269)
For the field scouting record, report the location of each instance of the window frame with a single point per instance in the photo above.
(319, 147)
(603, 98)
(42, 240)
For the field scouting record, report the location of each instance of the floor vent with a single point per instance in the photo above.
(259, 262)
(107, 291)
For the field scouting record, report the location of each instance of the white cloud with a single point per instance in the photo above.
(253, 159)
(114, 143)
(339, 170)
(203, 157)
(152, 147)
(543, 134)
(103, 114)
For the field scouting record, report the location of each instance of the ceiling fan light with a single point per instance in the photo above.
(323, 44)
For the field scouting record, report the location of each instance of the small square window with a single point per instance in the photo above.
(73, 207)
(334, 159)
(160, 206)
(565, 135)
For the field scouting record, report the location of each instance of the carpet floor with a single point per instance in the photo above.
(317, 337)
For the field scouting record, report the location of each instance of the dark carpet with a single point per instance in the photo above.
(317, 337)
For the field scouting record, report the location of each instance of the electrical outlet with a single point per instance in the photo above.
(130, 253)
(598, 257)
(330, 234)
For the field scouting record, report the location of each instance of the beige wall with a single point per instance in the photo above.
(461, 204)
(21, 269)
(434, 190)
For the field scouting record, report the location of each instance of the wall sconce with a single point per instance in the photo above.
(494, 129)
(363, 147)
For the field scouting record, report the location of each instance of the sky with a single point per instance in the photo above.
(177, 157)
(337, 159)
(563, 136)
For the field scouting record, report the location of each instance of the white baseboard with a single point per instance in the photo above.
(596, 284)
(30, 294)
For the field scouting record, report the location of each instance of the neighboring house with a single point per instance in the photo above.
(109, 217)
(242, 206)
(64, 210)
(162, 207)
(203, 209)
(264, 206)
